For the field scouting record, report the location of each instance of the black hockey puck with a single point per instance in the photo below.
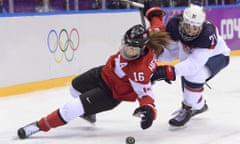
(130, 140)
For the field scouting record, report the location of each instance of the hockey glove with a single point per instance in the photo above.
(152, 8)
(147, 113)
(166, 72)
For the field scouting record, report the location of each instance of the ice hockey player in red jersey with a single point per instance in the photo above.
(201, 51)
(126, 76)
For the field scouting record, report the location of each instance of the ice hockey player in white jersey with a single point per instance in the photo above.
(201, 52)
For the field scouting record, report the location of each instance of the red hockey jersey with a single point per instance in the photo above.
(130, 80)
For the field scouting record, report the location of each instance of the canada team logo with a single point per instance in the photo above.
(63, 44)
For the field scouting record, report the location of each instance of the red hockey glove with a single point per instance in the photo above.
(166, 72)
(152, 8)
(147, 113)
(154, 14)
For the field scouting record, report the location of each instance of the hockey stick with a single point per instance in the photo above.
(134, 4)
(137, 5)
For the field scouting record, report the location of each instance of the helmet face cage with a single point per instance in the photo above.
(192, 21)
(134, 42)
(188, 32)
(130, 52)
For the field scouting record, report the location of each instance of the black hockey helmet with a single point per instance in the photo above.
(134, 42)
(137, 36)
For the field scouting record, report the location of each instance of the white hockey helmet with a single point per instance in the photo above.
(194, 15)
(191, 25)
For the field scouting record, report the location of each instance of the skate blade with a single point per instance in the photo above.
(176, 128)
(89, 120)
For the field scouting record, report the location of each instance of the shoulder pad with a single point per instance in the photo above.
(208, 37)
(172, 27)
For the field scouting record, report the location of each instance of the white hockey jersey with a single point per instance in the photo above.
(194, 54)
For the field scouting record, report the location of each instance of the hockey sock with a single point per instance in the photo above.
(51, 121)
(194, 98)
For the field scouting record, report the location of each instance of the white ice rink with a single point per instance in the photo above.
(219, 125)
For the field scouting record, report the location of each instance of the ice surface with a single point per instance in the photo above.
(219, 125)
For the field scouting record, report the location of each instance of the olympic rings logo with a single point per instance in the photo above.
(68, 43)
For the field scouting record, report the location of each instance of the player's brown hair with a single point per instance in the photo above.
(158, 40)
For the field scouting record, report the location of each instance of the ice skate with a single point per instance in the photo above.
(185, 114)
(181, 116)
(90, 118)
(196, 112)
(28, 130)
